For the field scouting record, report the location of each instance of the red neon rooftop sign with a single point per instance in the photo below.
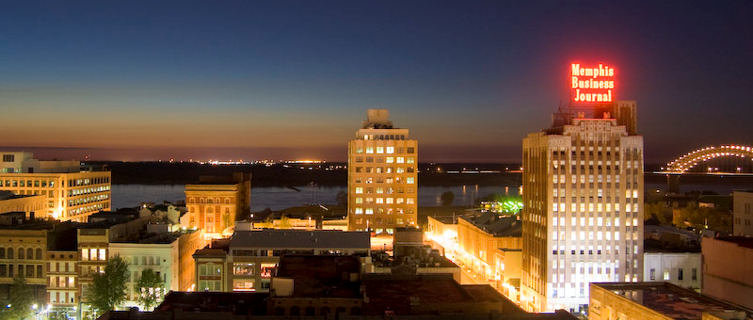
(590, 84)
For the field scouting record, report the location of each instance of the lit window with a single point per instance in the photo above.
(379, 149)
(409, 180)
(379, 200)
(389, 160)
(409, 201)
(390, 150)
(390, 200)
(400, 160)
(359, 189)
(102, 254)
(359, 200)
(411, 159)
(369, 149)
(369, 211)
(359, 210)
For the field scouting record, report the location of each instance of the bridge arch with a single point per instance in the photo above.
(691, 159)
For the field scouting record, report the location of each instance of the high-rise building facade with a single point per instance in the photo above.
(72, 193)
(583, 210)
(382, 176)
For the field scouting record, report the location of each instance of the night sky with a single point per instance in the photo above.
(141, 80)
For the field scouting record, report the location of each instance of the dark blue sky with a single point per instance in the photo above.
(283, 79)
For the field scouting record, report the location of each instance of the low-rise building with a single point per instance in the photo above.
(160, 252)
(250, 259)
(480, 236)
(728, 269)
(679, 268)
(657, 301)
(71, 193)
(215, 203)
(742, 213)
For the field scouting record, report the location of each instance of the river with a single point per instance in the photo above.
(276, 198)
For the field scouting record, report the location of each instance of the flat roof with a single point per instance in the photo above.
(670, 300)
(745, 242)
(314, 239)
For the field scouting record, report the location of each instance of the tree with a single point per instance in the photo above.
(150, 288)
(447, 198)
(21, 300)
(108, 289)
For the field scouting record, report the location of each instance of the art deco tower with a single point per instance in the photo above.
(382, 176)
(583, 214)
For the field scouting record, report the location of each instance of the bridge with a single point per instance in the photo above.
(686, 162)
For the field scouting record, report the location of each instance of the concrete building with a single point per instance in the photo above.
(248, 261)
(679, 268)
(215, 203)
(728, 269)
(583, 210)
(742, 213)
(657, 301)
(382, 176)
(71, 193)
(35, 205)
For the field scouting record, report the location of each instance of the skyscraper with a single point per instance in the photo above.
(382, 176)
(583, 214)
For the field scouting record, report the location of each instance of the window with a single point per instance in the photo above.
(390, 150)
(666, 275)
(359, 189)
(679, 274)
(243, 269)
(694, 274)
(652, 274)
(9, 158)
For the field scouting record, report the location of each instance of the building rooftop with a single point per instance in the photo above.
(322, 276)
(282, 239)
(239, 303)
(670, 300)
(8, 195)
(745, 242)
(499, 226)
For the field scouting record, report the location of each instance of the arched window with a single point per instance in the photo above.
(2, 253)
(295, 311)
(10, 253)
(20, 253)
(39, 254)
(30, 253)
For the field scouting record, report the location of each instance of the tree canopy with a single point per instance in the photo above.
(151, 288)
(108, 288)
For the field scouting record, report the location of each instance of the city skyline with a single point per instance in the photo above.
(206, 81)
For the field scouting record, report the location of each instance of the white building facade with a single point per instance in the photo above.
(583, 211)
(679, 268)
(162, 258)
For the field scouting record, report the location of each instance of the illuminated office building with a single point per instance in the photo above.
(71, 193)
(583, 209)
(382, 176)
